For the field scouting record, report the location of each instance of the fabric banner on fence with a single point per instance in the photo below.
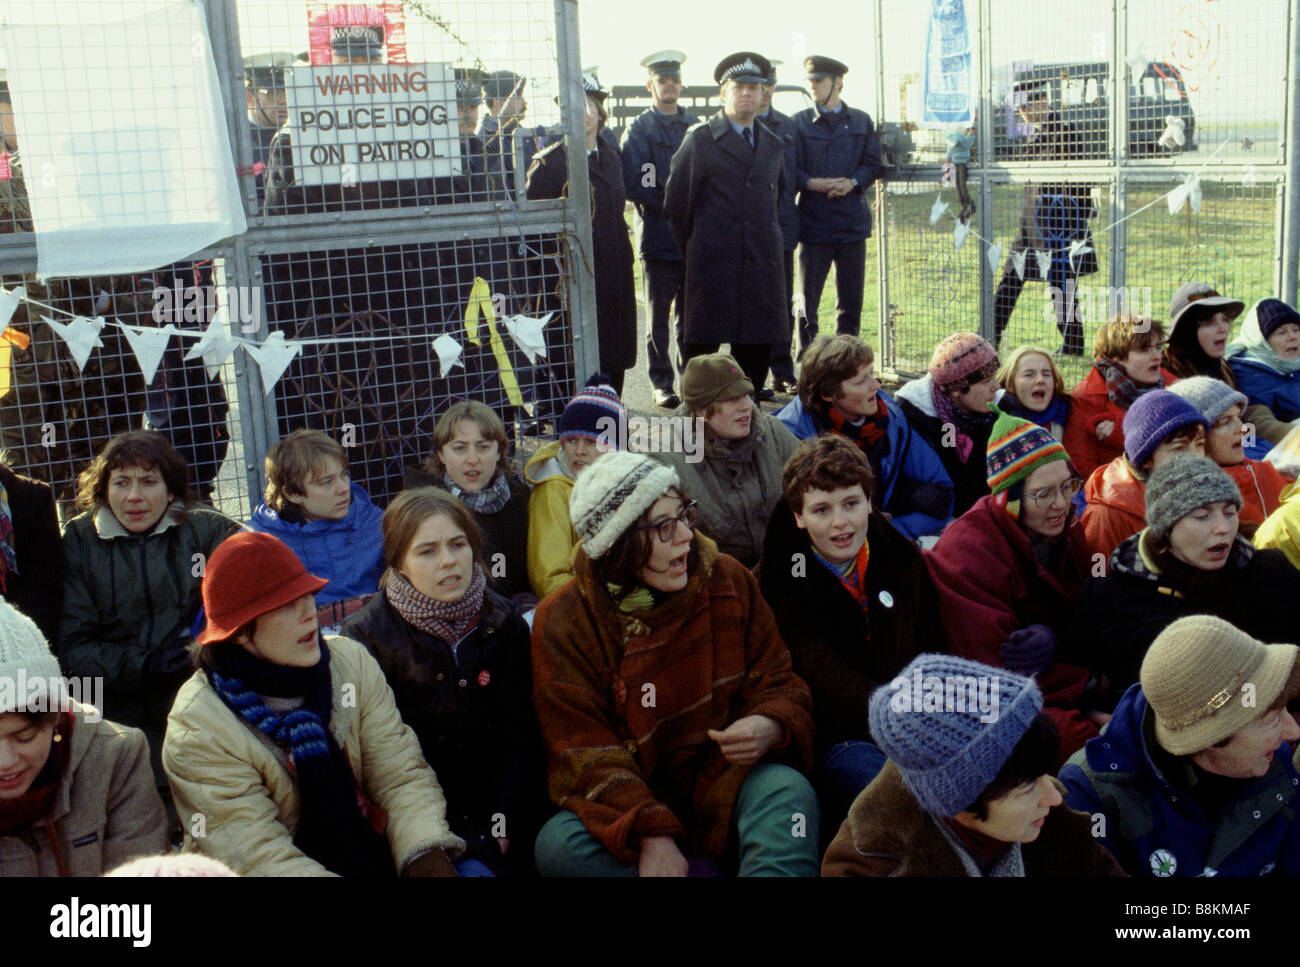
(949, 78)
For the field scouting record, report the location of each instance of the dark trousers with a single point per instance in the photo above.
(782, 360)
(616, 380)
(751, 357)
(663, 281)
(850, 260)
(1068, 322)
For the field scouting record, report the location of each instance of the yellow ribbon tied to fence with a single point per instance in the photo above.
(480, 305)
(8, 339)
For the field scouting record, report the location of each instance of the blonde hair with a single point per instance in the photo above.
(489, 425)
(294, 460)
(1006, 375)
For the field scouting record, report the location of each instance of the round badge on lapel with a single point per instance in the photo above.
(484, 678)
(886, 599)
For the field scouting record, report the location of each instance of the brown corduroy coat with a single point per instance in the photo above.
(625, 702)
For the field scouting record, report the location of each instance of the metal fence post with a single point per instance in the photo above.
(984, 138)
(885, 334)
(1286, 285)
(1119, 127)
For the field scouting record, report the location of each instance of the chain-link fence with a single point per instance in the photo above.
(391, 262)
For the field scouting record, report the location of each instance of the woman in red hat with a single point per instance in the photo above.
(285, 751)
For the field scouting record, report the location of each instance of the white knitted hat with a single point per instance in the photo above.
(612, 493)
(28, 670)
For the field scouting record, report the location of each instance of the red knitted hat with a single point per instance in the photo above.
(248, 575)
(960, 355)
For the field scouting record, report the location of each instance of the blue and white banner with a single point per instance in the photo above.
(949, 75)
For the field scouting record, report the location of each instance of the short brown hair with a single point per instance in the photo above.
(145, 449)
(489, 424)
(410, 509)
(621, 565)
(826, 364)
(294, 460)
(1125, 332)
(1007, 374)
(828, 463)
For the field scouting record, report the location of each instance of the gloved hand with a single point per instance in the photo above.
(1029, 650)
(432, 863)
(170, 660)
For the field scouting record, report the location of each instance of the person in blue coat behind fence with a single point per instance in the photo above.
(327, 521)
(1193, 775)
(839, 393)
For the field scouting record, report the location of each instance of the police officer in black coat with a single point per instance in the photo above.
(783, 380)
(722, 202)
(651, 140)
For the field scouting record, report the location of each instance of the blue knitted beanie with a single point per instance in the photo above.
(1150, 421)
(950, 725)
(595, 413)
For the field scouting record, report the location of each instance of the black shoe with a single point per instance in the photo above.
(766, 395)
(667, 399)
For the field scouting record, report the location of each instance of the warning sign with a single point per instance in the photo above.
(373, 122)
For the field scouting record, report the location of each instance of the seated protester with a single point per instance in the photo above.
(1126, 365)
(326, 519)
(1034, 390)
(1157, 427)
(1281, 531)
(1190, 780)
(590, 426)
(949, 408)
(31, 550)
(737, 480)
(852, 600)
(968, 789)
(288, 743)
(1010, 571)
(77, 797)
(131, 586)
(839, 393)
(1265, 362)
(470, 461)
(434, 626)
(1260, 483)
(657, 612)
(1190, 559)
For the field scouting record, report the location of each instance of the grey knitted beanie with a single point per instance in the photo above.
(30, 679)
(1180, 485)
(950, 725)
(1213, 397)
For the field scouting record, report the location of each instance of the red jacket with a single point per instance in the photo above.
(1089, 405)
(990, 584)
(1117, 506)
(1261, 485)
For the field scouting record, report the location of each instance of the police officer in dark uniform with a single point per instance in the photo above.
(504, 91)
(721, 202)
(651, 139)
(839, 159)
(783, 379)
(1052, 217)
(267, 109)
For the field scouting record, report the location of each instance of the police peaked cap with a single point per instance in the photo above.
(591, 84)
(745, 67)
(358, 40)
(664, 63)
(771, 77)
(499, 85)
(819, 67)
(469, 85)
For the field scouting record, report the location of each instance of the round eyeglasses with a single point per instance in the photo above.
(688, 515)
(1047, 495)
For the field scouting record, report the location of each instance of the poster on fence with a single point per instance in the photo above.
(373, 122)
(948, 65)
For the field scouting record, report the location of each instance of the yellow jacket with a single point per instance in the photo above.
(1282, 527)
(551, 537)
(239, 802)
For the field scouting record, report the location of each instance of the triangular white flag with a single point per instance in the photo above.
(148, 344)
(449, 352)
(9, 299)
(1078, 247)
(1249, 177)
(994, 255)
(1177, 198)
(1018, 263)
(1044, 263)
(959, 233)
(273, 358)
(214, 347)
(1194, 193)
(527, 334)
(81, 336)
(1138, 61)
(938, 208)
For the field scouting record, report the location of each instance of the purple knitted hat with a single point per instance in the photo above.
(960, 355)
(1152, 418)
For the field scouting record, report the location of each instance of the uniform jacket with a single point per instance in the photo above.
(887, 833)
(1155, 828)
(737, 483)
(240, 781)
(612, 251)
(847, 149)
(349, 552)
(37, 588)
(651, 139)
(472, 711)
(783, 127)
(990, 584)
(970, 479)
(551, 537)
(710, 655)
(127, 597)
(1089, 405)
(1282, 529)
(722, 202)
(106, 810)
(842, 652)
(505, 532)
(910, 466)
(1117, 506)
(498, 147)
(1135, 601)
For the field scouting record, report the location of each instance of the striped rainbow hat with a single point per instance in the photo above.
(1016, 449)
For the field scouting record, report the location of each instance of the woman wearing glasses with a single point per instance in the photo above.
(673, 721)
(1010, 571)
